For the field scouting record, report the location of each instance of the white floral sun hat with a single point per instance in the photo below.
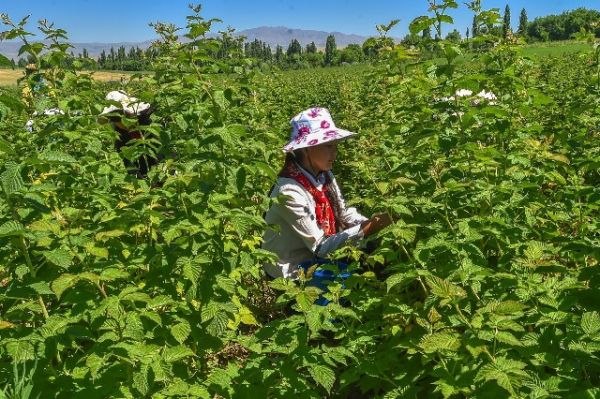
(312, 127)
(129, 105)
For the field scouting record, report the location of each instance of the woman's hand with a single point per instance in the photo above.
(378, 222)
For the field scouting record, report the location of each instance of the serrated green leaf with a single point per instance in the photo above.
(5, 62)
(220, 378)
(226, 284)
(45, 225)
(111, 274)
(42, 288)
(53, 326)
(59, 257)
(175, 353)
(507, 338)
(419, 24)
(323, 375)
(217, 324)
(181, 331)
(96, 251)
(20, 351)
(57, 156)
(191, 270)
(443, 288)
(305, 300)
(399, 279)
(94, 363)
(507, 373)
(63, 283)
(140, 380)
(439, 342)
(11, 179)
(590, 323)
(104, 236)
(12, 228)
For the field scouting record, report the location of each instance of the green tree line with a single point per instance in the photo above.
(580, 23)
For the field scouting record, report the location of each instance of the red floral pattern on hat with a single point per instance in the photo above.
(302, 132)
(313, 142)
(314, 112)
(330, 134)
(325, 125)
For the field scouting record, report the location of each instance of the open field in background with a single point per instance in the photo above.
(8, 77)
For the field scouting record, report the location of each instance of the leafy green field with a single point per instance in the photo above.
(556, 48)
(486, 287)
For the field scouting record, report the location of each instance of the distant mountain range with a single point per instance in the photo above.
(273, 36)
(282, 36)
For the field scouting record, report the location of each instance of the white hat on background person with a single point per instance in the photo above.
(129, 105)
(47, 112)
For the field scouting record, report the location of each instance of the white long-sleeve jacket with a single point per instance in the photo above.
(296, 237)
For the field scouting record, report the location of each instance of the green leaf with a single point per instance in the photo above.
(439, 342)
(181, 331)
(506, 372)
(6, 148)
(314, 320)
(11, 102)
(220, 100)
(31, 48)
(96, 251)
(5, 62)
(220, 378)
(107, 235)
(175, 353)
(405, 180)
(161, 370)
(155, 317)
(111, 274)
(323, 375)
(283, 284)
(63, 283)
(57, 156)
(400, 278)
(217, 324)
(94, 363)
(446, 18)
(12, 228)
(54, 325)
(419, 24)
(535, 250)
(140, 380)
(11, 178)
(191, 270)
(20, 351)
(45, 226)
(443, 288)
(305, 299)
(226, 284)
(590, 323)
(60, 257)
(509, 308)
(42, 288)
(508, 338)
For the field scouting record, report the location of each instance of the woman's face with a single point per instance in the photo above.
(322, 156)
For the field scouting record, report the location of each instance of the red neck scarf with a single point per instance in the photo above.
(323, 210)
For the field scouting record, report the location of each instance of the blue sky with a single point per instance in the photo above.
(127, 20)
